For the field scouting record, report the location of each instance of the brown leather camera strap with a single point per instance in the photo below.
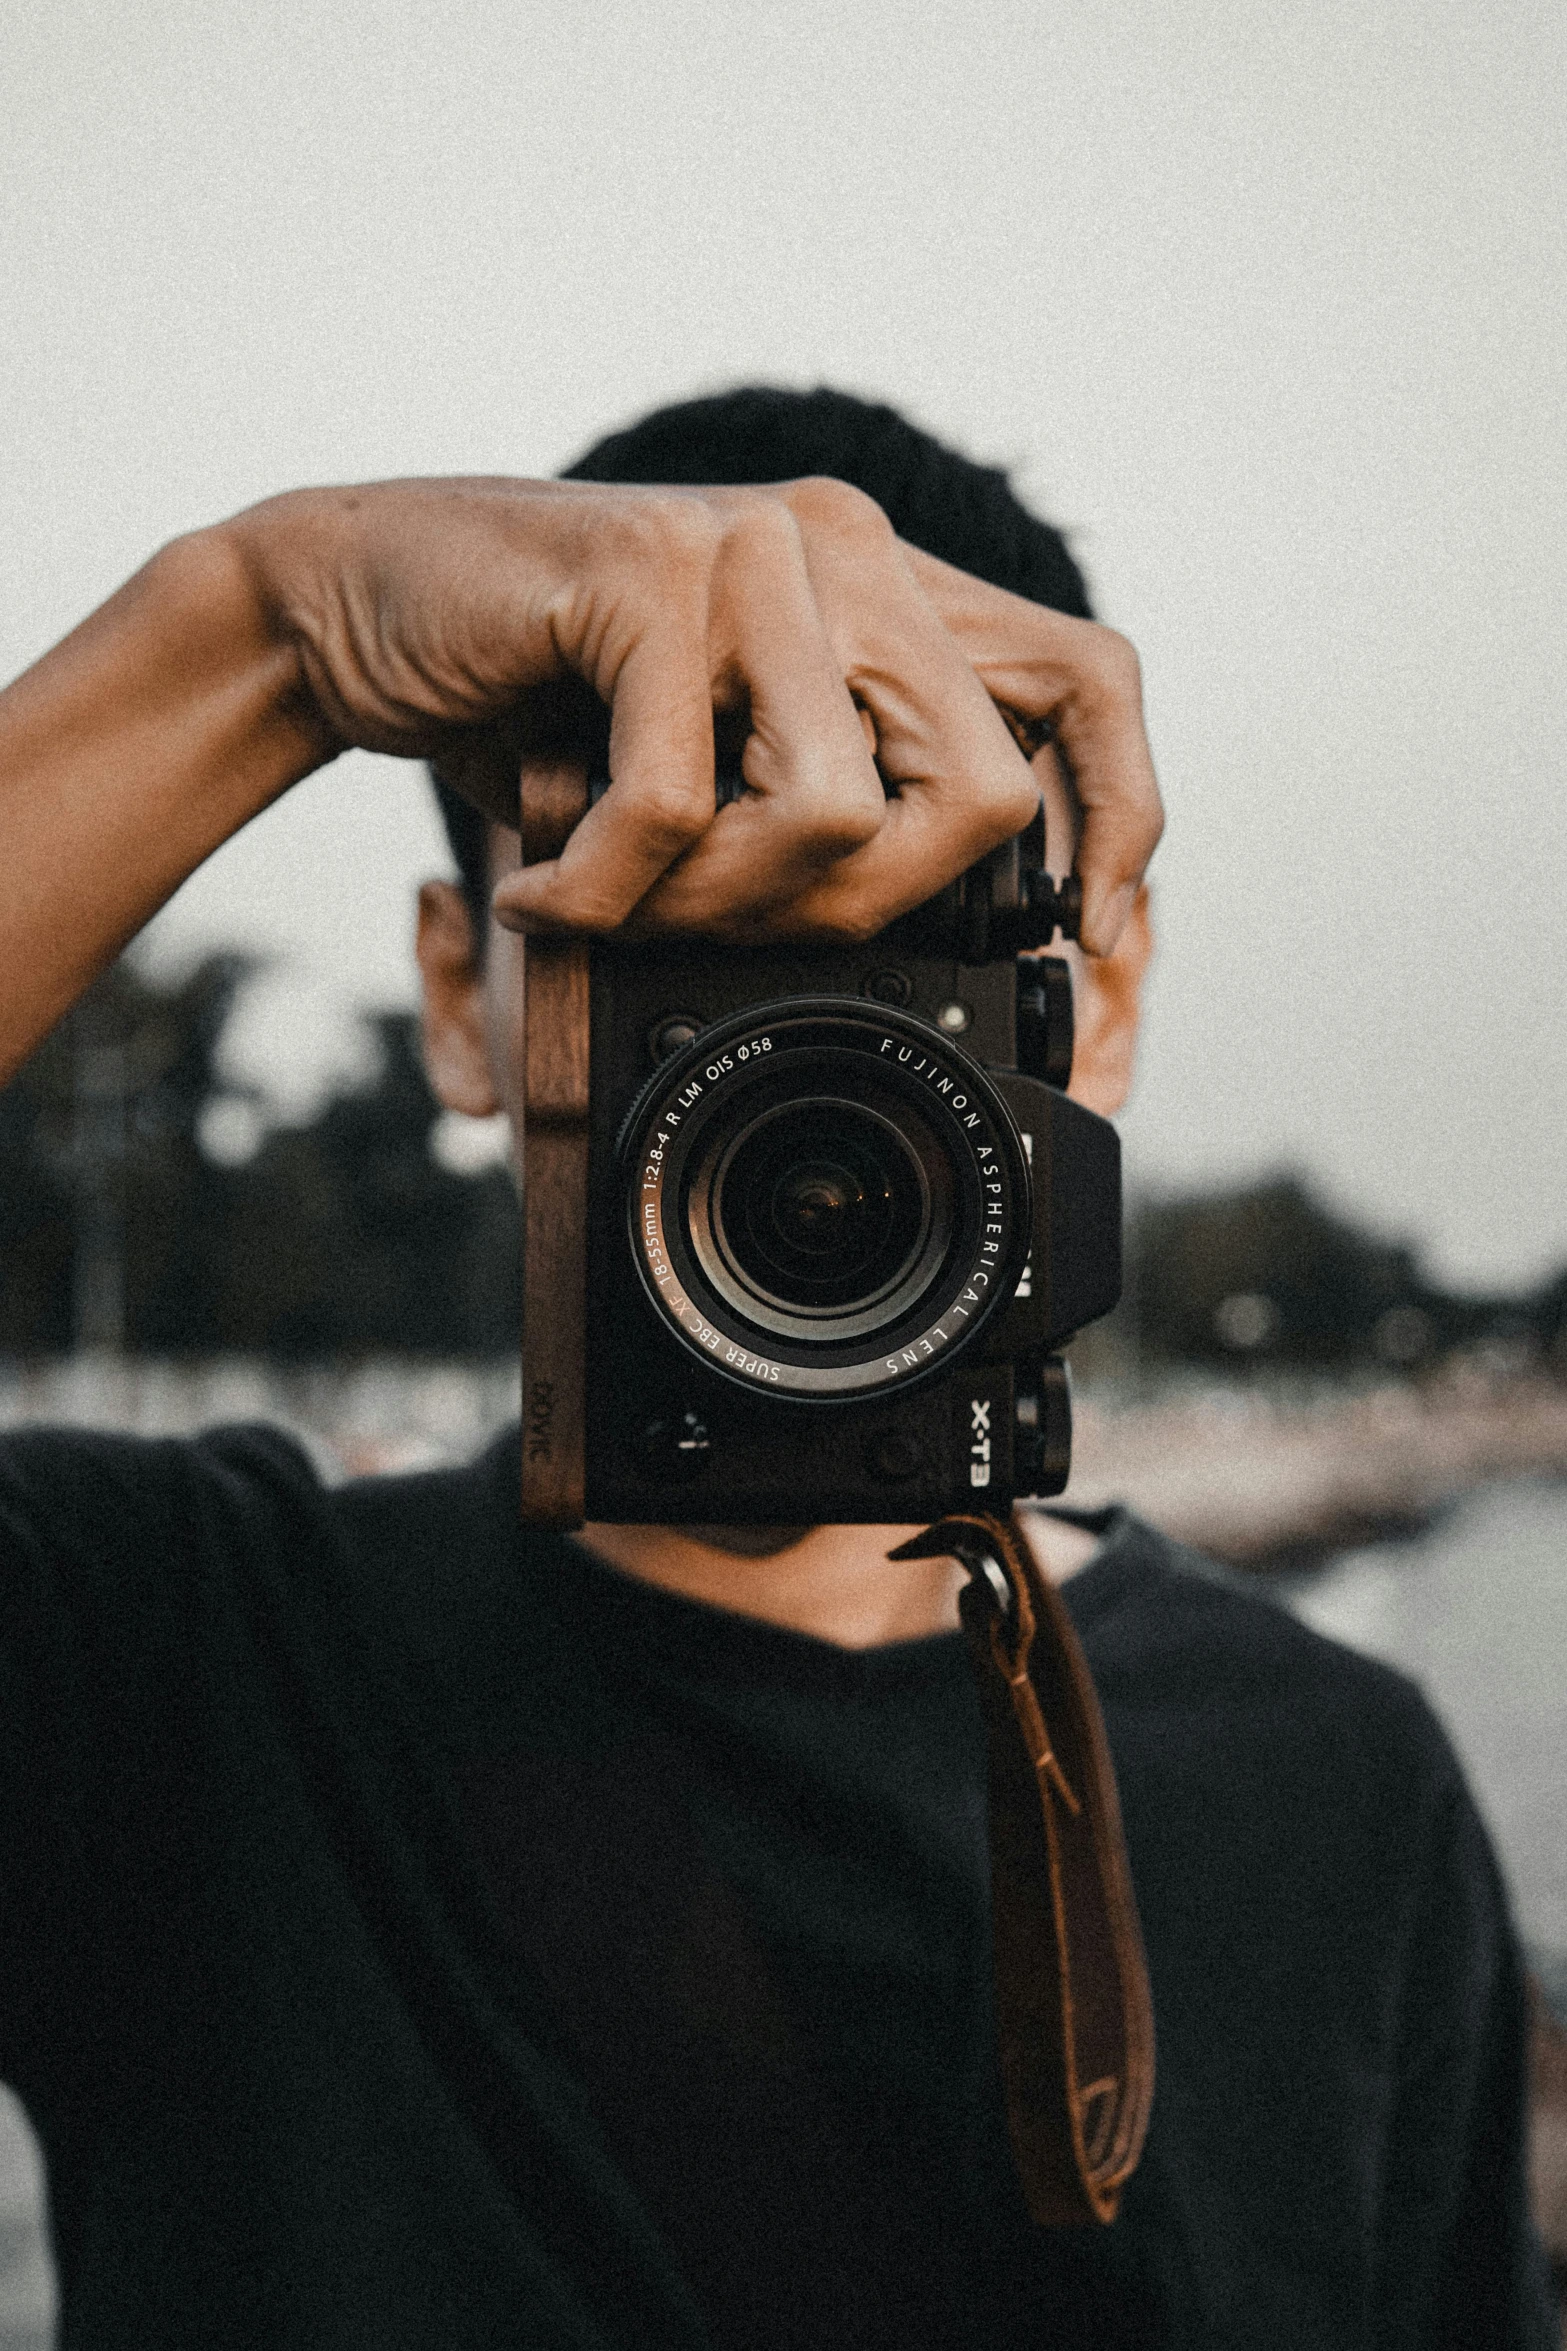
(1073, 2009)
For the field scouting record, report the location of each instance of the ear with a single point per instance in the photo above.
(453, 1026)
(1107, 995)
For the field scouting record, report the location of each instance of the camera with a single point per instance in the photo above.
(804, 1228)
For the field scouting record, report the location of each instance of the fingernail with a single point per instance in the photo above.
(528, 920)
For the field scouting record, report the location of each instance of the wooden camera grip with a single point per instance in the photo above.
(553, 1156)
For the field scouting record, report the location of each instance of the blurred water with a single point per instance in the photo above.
(26, 2273)
(1476, 1611)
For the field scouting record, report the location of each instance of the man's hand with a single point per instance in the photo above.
(455, 619)
(854, 668)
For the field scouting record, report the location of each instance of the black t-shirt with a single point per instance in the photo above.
(415, 1934)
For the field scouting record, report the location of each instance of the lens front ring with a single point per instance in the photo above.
(824, 1199)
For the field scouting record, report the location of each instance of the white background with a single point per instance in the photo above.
(1264, 305)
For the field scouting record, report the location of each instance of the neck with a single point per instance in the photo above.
(835, 1583)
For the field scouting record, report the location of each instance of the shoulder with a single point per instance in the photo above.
(1333, 1963)
(119, 1523)
(100, 1494)
(199, 1556)
(136, 1553)
(87, 1488)
(1237, 1728)
(1162, 1622)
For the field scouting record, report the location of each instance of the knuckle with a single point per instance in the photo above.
(1006, 800)
(1118, 663)
(834, 819)
(821, 502)
(764, 530)
(848, 921)
(673, 534)
(675, 810)
(1153, 815)
(1141, 814)
(857, 926)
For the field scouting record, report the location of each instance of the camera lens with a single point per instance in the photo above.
(824, 1198)
(820, 1205)
(820, 1217)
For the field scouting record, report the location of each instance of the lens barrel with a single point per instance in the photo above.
(824, 1198)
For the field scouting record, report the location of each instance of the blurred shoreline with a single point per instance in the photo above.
(1268, 1476)
(355, 1419)
(1283, 1478)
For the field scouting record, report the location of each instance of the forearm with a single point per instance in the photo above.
(127, 755)
(409, 617)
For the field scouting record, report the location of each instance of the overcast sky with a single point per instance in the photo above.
(1264, 305)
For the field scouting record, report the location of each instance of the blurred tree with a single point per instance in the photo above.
(1268, 1274)
(102, 1181)
(132, 1211)
(349, 1233)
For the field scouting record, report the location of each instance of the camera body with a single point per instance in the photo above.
(837, 1214)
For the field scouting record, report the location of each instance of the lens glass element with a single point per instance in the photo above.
(820, 1205)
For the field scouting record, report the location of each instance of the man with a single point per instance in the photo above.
(420, 1934)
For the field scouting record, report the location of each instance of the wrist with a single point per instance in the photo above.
(244, 576)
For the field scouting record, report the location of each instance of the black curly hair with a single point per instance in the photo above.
(936, 498)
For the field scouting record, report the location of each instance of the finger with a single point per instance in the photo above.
(961, 785)
(1086, 679)
(813, 791)
(660, 796)
(925, 842)
(941, 821)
